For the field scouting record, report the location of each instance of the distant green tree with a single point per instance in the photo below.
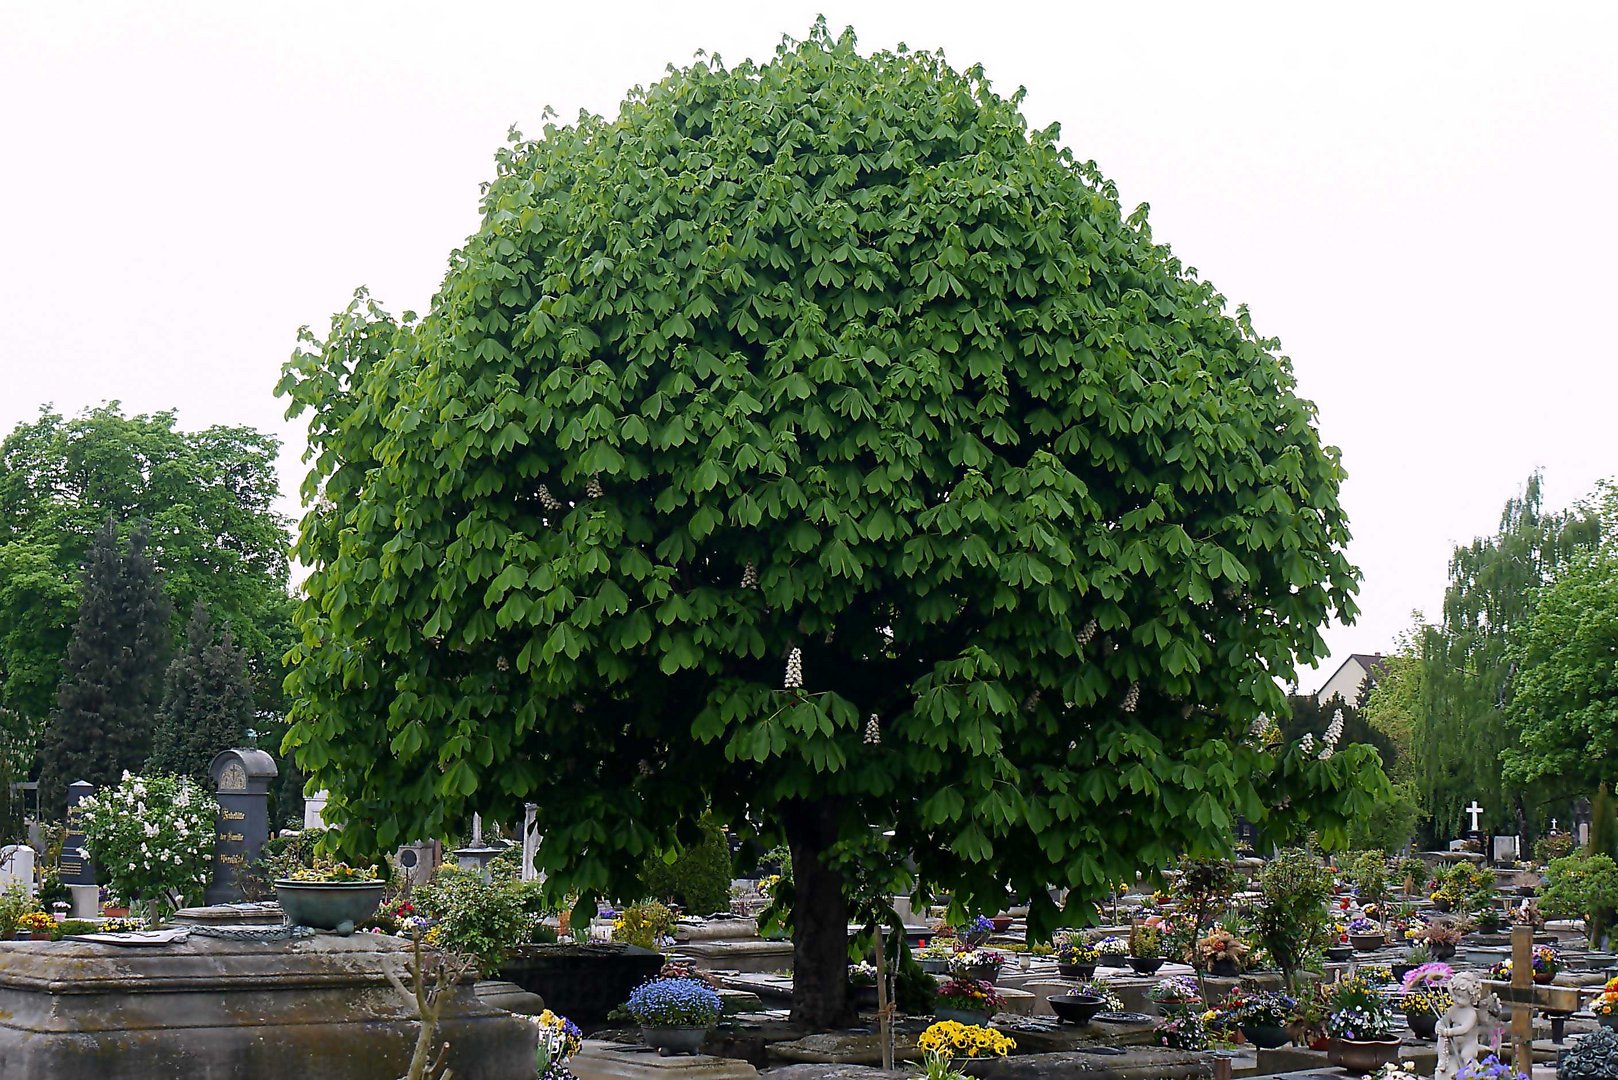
(207, 702)
(1312, 717)
(113, 678)
(1392, 705)
(207, 499)
(699, 876)
(1467, 667)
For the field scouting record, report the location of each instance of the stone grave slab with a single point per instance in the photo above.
(211, 1008)
(757, 957)
(716, 930)
(616, 1061)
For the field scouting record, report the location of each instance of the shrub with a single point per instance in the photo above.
(1290, 920)
(153, 836)
(482, 919)
(645, 924)
(699, 877)
(1585, 886)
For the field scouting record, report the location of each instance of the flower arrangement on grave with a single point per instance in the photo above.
(1185, 1031)
(1488, 1067)
(977, 932)
(1357, 1011)
(1547, 964)
(153, 836)
(1175, 992)
(1362, 926)
(976, 963)
(559, 1039)
(1375, 974)
(1074, 951)
(1112, 945)
(1146, 943)
(862, 974)
(646, 924)
(36, 922)
(682, 969)
(767, 884)
(121, 926)
(1607, 1003)
(939, 948)
(326, 872)
(660, 1003)
(953, 1039)
(1434, 1001)
(1257, 1008)
(947, 1040)
(1221, 945)
(971, 994)
(1396, 1070)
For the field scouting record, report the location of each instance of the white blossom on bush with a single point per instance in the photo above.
(152, 837)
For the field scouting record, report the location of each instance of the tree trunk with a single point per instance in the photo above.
(819, 917)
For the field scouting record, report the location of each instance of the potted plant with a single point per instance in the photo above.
(1441, 936)
(947, 1040)
(330, 895)
(862, 981)
(1290, 920)
(934, 956)
(153, 837)
(1112, 952)
(1110, 1001)
(1605, 1007)
(1076, 960)
(1361, 1026)
(1415, 958)
(1074, 1007)
(1183, 1031)
(1365, 935)
(1547, 964)
(1423, 1007)
(1221, 953)
(967, 1001)
(1262, 1015)
(675, 1015)
(1145, 949)
(35, 926)
(977, 965)
(559, 1039)
(1175, 994)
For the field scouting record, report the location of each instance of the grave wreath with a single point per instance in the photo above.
(153, 837)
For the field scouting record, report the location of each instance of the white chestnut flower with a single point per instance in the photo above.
(794, 673)
(873, 731)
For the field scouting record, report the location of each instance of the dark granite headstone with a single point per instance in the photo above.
(242, 784)
(75, 864)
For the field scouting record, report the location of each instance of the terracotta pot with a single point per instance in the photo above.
(1362, 1055)
(1544, 978)
(115, 912)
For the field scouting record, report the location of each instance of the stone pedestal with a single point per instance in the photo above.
(616, 1061)
(84, 901)
(209, 1008)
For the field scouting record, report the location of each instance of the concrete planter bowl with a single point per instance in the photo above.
(668, 1041)
(328, 905)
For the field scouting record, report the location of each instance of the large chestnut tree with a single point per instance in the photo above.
(815, 442)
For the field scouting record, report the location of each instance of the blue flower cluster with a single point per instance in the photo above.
(1490, 1068)
(674, 1003)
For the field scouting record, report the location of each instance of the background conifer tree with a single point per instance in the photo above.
(113, 672)
(207, 702)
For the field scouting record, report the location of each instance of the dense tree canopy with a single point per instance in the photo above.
(1467, 670)
(1564, 704)
(816, 442)
(207, 702)
(205, 498)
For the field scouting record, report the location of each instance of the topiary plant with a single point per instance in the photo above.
(1594, 1057)
(698, 879)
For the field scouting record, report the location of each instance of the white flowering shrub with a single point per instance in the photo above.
(152, 837)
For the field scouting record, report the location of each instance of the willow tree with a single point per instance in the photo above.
(816, 443)
(1466, 666)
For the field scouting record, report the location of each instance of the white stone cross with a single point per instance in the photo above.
(1553, 824)
(1474, 810)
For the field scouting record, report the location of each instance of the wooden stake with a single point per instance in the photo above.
(1522, 1015)
(884, 1007)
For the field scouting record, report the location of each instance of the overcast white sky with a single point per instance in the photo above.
(1418, 199)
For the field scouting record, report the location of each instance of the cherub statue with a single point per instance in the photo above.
(1457, 1029)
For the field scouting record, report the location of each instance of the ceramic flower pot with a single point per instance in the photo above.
(1367, 942)
(1608, 1020)
(980, 973)
(1340, 953)
(328, 905)
(1362, 1055)
(1075, 1008)
(1084, 972)
(1544, 978)
(1266, 1036)
(1422, 1025)
(1225, 968)
(1441, 950)
(934, 965)
(1144, 965)
(668, 1041)
(1002, 923)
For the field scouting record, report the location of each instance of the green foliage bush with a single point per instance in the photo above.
(482, 919)
(1582, 886)
(1291, 920)
(699, 877)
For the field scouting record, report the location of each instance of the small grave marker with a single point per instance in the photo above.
(75, 866)
(242, 779)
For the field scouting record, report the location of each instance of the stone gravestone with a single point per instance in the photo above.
(17, 867)
(242, 781)
(1505, 849)
(75, 864)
